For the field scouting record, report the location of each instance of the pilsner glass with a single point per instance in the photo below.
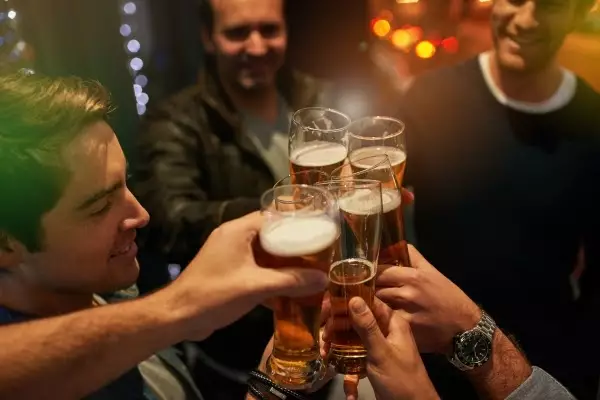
(300, 231)
(394, 248)
(353, 272)
(306, 177)
(318, 139)
(372, 136)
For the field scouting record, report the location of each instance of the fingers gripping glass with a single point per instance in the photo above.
(301, 230)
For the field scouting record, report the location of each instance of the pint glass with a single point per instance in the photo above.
(372, 136)
(318, 139)
(300, 231)
(394, 247)
(353, 274)
(305, 177)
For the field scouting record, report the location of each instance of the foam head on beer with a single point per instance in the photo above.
(366, 157)
(295, 237)
(361, 202)
(318, 153)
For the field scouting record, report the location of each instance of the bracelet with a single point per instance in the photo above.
(263, 388)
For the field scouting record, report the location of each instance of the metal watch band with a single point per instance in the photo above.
(263, 388)
(487, 326)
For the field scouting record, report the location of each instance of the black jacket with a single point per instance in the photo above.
(196, 167)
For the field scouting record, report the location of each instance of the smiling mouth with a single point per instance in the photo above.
(123, 250)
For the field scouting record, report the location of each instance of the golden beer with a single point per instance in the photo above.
(305, 242)
(347, 279)
(362, 159)
(394, 248)
(317, 155)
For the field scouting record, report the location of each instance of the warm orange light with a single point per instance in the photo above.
(425, 49)
(381, 27)
(402, 39)
(416, 32)
(450, 44)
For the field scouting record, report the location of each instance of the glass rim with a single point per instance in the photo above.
(385, 158)
(332, 110)
(326, 194)
(378, 118)
(306, 171)
(363, 183)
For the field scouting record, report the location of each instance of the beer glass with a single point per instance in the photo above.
(317, 139)
(372, 136)
(306, 177)
(394, 248)
(353, 273)
(300, 231)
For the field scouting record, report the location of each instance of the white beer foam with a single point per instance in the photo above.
(294, 237)
(318, 153)
(395, 155)
(365, 202)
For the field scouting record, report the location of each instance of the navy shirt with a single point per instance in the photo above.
(504, 199)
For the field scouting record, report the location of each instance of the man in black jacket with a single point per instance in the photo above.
(208, 153)
(504, 158)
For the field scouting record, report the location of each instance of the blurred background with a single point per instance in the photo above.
(145, 50)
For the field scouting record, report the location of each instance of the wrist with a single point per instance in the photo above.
(178, 314)
(468, 319)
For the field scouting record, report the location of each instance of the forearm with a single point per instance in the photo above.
(76, 354)
(503, 373)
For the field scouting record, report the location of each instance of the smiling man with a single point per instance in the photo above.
(209, 152)
(67, 228)
(505, 160)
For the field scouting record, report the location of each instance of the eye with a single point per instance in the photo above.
(269, 31)
(103, 210)
(238, 33)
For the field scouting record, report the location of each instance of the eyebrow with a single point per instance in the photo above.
(100, 195)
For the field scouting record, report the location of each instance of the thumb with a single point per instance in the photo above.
(294, 282)
(366, 326)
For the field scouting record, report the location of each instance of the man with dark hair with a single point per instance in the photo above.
(208, 153)
(505, 164)
(67, 233)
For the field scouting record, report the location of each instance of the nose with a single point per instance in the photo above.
(256, 44)
(525, 19)
(138, 216)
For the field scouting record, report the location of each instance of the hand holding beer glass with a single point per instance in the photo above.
(353, 272)
(318, 139)
(301, 230)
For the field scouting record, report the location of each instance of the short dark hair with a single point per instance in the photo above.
(39, 116)
(207, 14)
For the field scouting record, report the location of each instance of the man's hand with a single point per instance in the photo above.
(223, 282)
(436, 308)
(394, 366)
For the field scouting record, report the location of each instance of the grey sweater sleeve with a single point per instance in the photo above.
(540, 385)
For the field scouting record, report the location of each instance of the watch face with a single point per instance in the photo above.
(473, 348)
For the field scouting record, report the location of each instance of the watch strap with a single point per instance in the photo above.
(487, 326)
(262, 387)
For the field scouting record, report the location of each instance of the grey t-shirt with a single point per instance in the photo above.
(271, 139)
(540, 385)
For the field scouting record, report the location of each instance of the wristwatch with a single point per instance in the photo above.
(473, 348)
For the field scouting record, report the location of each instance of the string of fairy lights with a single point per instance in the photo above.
(132, 44)
(15, 53)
